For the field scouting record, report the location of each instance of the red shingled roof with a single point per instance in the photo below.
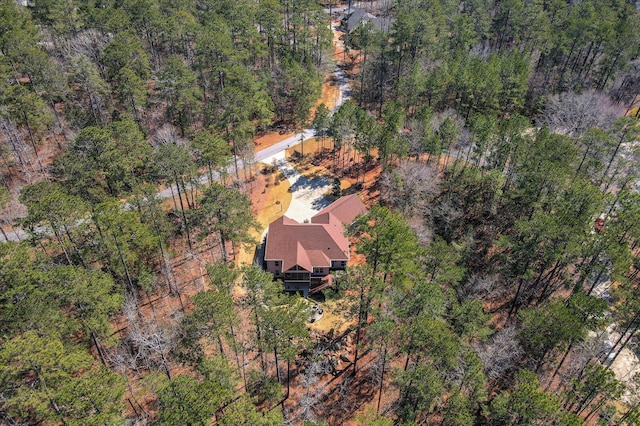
(314, 244)
(344, 209)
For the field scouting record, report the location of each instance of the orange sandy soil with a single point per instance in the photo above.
(328, 97)
(270, 196)
(14, 211)
(264, 194)
(165, 306)
(342, 396)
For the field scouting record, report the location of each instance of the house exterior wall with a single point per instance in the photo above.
(275, 267)
(338, 264)
(295, 287)
(320, 272)
(297, 276)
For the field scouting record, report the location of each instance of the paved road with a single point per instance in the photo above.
(344, 93)
(258, 156)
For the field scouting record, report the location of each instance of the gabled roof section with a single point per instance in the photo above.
(304, 244)
(319, 259)
(302, 259)
(314, 244)
(359, 16)
(344, 209)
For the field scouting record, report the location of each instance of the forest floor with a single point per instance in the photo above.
(161, 308)
(270, 194)
(332, 396)
(336, 397)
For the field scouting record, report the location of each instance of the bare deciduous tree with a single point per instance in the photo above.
(309, 380)
(481, 286)
(572, 113)
(501, 353)
(90, 43)
(150, 342)
(410, 187)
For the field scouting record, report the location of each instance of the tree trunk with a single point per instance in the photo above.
(184, 216)
(59, 239)
(275, 356)
(384, 361)
(4, 234)
(33, 143)
(615, 153)
(223, 247)
(555, 372)
(288, 378)
(514, 306)
(96, 343)
(361, 314)
(259, 338)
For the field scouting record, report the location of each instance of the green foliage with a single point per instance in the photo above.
(89, 297)
(321, 119)
(386, 240)
(176, 86)
(420, 388)
(96, 398)
(243, 412)
(52, 211)
(27, 108)
(223, 276)
(49, 382)
(469, 319)
(526, 404)
(594, 381)
(296, 89)
(228, 213)
(174, 163)
(371, 418)
(191, 401)
(105, 161)
(126, 52)
(211, 151)
(128, 68)
(124, 244)
(263, 388)
(285, 326)
(213, 317)
(442, 262)
(92, 88)
(458, 411)
(336, 188)
(22, 299)
(64, 302)
(546, 327)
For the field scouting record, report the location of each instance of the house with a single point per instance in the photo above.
(353, 18)
(303, 254)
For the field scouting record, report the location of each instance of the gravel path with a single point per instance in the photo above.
(305, 203)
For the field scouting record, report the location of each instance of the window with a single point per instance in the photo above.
(318, 270)
(277, 263)
(297, 276)
(343, 263)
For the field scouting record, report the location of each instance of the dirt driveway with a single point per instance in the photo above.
(308, 193)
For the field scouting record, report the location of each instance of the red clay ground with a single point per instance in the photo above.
(338, 403)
